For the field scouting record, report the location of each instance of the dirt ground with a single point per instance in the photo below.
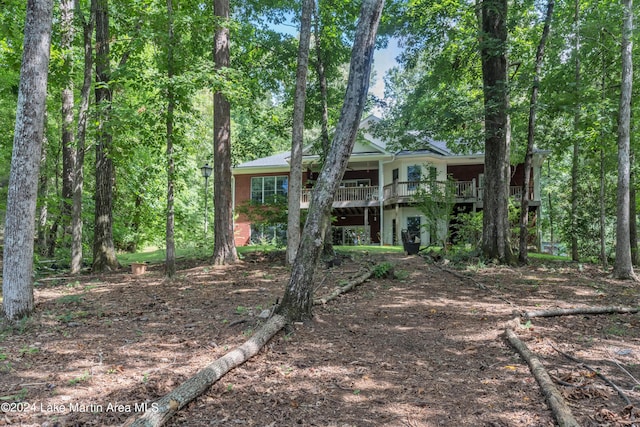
(423, 348)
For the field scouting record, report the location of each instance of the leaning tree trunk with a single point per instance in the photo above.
(300, 96)
(17, 282)
(495, 227)
(524, 209)
(298, 296)
(170, 259)
(623, 269)
(78, 175)
(224, 249)
(104, 254)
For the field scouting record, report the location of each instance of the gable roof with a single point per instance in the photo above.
(280, 160)
(367, 146)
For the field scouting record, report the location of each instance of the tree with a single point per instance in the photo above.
(17, 283)
(68, 143)
(170, 260)
(224, 250)
(575, 163)
(81, 132)
(104, 254)
(298, 296)
(295, 173)
(623, 268)
(495, 230)
(524, 206)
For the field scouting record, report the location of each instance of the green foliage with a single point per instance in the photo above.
(468, 228)
(383, 270)
(272, 212)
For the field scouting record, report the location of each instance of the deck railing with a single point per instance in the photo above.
(348, 194)
(462, 191)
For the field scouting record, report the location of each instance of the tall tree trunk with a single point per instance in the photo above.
(68, 148)
(623, 269)
(603, 213)
(575, 163)
(495, 227)
(170, 262)
(104, 254)
(322, 81)
(300, 96)
(528, 158)
(327, 251)
(78, 175)
(224, 250)
(17, 282)
(633, 214)
(43, 194)
(298, 296)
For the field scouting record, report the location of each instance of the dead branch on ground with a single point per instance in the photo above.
(581, 310)
(475, 282)
(595, 371)
(345, 288)
(560, 410)
(164, 408)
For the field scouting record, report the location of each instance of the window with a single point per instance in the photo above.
(265, 188)
(395, 174)
(414, 175)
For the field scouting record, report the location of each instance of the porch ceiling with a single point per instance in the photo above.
(354, 211)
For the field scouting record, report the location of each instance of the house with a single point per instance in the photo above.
(375, 201)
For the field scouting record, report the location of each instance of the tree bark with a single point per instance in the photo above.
(298, 296)
(623, 269)
(17, 283)
(528, 158)
(224, 250)
(495, 227)
(161, 410)
(78, 175)
(560, 409)
(300, 96)
(104, 254)
(170, 260)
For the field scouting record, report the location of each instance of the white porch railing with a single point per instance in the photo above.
(348, 194)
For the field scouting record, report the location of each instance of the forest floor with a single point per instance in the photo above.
(423, 348)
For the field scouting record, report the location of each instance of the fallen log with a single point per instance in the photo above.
(581, 310)
(560, 410)
(345, 288)
(161, 410)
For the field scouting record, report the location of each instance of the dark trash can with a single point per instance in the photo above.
(410, 243)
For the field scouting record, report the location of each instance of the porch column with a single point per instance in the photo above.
(366, 223)
(380, 201)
